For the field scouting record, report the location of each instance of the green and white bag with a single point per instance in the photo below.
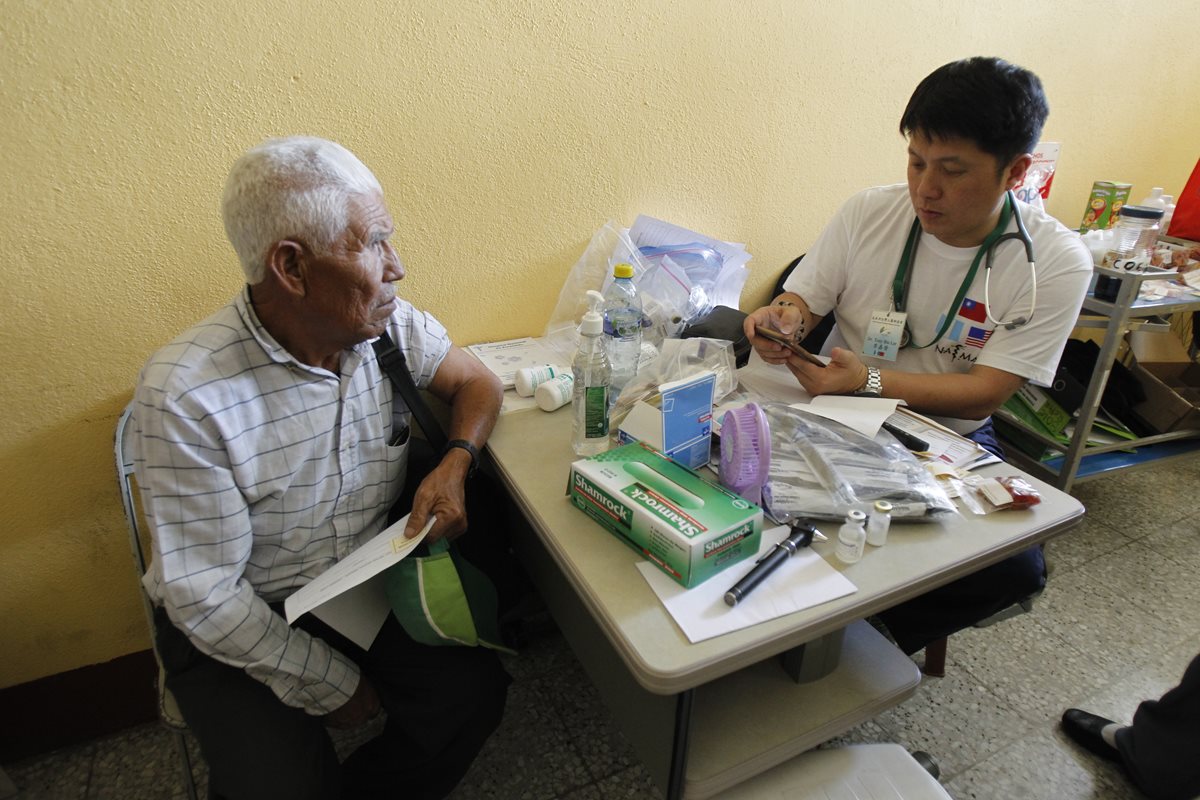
(442, 599)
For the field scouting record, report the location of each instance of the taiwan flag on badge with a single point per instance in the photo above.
(973, 310)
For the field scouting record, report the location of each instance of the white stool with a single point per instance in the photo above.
(857, 772)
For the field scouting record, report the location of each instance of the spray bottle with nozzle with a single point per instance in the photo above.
(593, 376)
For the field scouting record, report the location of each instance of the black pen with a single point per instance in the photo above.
(801, 536)
(911, 441)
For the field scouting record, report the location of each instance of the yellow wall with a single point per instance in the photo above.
(505, 133)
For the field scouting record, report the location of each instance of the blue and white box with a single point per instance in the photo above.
(677, 421)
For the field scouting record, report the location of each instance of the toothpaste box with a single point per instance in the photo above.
(690, 528)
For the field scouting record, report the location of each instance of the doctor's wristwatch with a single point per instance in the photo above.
(873, 386)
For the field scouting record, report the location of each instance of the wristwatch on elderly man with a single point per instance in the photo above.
(873, 386)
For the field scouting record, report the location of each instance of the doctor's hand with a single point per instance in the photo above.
(845, 373)
(442, 494)
(785, 319)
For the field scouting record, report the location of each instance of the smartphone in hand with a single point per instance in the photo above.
(789, 343)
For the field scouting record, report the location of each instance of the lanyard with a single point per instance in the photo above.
(905, 268)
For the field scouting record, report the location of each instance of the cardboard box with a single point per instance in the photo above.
(1172, 395)
(677, 422)
(1104, 202)
(690, 528)
(1157, 347)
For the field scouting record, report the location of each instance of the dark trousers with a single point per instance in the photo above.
(1161, 749)
(442, 704)
(961, 603)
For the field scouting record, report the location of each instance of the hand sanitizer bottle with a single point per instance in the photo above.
(593, 375)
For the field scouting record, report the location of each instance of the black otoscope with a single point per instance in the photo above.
(801, 536)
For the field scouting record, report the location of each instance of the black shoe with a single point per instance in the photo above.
(1084, 729)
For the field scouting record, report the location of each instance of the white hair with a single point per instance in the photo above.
(299, 186)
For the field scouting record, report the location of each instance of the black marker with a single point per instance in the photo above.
(912, 442)
(801, 536)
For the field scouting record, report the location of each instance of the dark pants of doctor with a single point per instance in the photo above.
(1161, 749)
(442, 704)
(961, 603)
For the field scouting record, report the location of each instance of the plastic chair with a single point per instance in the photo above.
(876, 771)
(168, 709)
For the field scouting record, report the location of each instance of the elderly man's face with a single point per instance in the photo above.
(351, 291)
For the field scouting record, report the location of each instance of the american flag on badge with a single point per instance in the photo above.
(973, 310)
(977, 337)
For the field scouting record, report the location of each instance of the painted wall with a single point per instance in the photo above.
(505, 134)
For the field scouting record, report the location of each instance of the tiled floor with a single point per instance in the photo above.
(1116, 624)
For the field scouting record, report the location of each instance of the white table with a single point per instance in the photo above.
(706, 716)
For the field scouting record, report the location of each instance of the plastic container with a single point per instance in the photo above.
(622, 327)
(527, 378)
(852, 538)
(1156, 199)
(1164, 227)
(879, 523)
(592, 376)
(555, 393)
(1134, 237)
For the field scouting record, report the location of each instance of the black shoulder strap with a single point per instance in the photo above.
(393, 363)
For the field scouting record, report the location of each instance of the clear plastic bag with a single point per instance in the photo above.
(822, 468)
(678, 359)
(673, 283)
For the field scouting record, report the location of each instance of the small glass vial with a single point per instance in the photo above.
(879, 522)
(852, 538)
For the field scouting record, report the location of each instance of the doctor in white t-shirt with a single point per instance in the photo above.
(903, 269)
(935, 342)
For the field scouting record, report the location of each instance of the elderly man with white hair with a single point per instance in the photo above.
(268, 446)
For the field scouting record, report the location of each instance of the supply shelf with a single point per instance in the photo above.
(1077, 460)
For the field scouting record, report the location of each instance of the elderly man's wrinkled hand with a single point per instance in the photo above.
(362, 706)
(441, 494)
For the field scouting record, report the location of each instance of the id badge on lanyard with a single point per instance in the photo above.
(885, 334)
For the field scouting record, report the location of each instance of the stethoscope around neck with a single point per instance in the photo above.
(986, 254)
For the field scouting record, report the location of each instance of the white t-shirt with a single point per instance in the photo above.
(850, 269)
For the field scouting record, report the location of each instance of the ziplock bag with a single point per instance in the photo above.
(822, 468)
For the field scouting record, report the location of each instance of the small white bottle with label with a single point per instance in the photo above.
(527, 379)
(879, 523)
(555, 393)
(852, 538)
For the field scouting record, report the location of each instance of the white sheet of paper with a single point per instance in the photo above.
(863, 414)
(771, 382)
(803, 581)
(505, 358)
(334, 594)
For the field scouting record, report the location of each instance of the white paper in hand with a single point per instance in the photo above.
(349, 596)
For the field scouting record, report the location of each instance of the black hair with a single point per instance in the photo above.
(997, 105)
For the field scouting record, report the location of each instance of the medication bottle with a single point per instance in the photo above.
(622, 327)
(528, 378)
(592, 375)
(852, 538)
(879, 523)
(1134, 237)
(1164, 227)
(554, 393)
(1156, 199)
